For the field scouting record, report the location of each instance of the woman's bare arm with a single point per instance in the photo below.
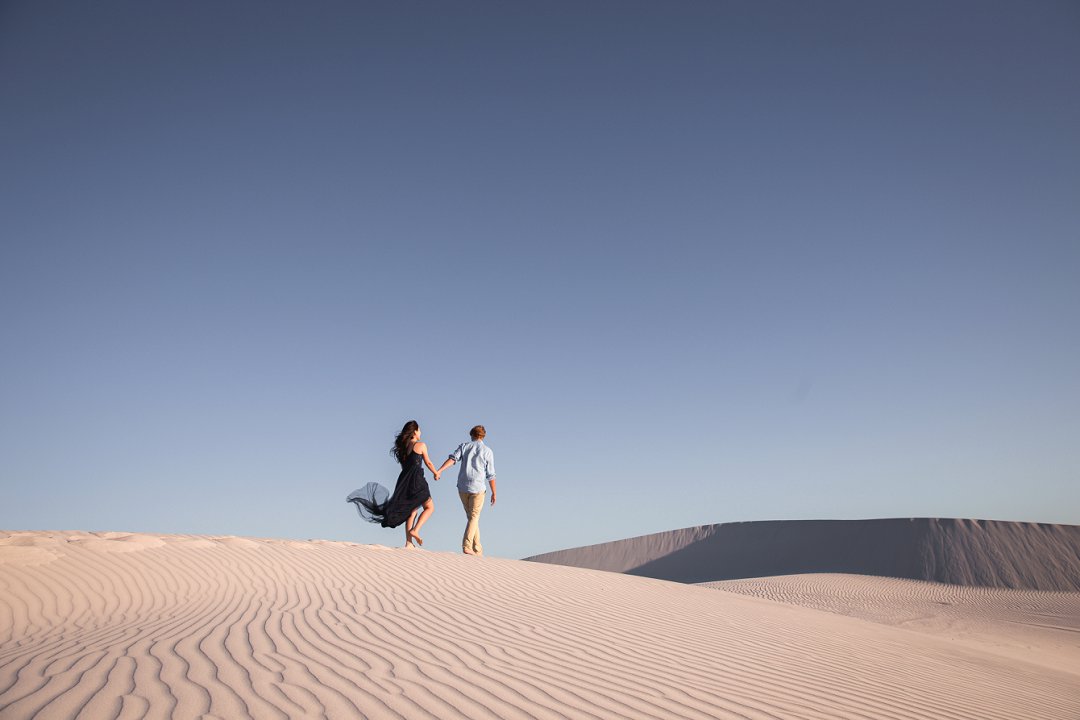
(422, 449)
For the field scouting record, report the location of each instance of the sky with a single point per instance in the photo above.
(688, 262)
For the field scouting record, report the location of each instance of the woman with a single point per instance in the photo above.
(410, 493)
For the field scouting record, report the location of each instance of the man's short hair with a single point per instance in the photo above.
(478, 433)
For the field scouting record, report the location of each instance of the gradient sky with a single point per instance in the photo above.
(688, 262)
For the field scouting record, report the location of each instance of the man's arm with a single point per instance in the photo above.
(454, 457)
(491, 473)
(449, 461)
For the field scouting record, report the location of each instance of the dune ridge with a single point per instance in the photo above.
(125, 625)
(982, 553)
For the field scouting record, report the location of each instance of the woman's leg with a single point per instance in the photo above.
(429, 507)
(408, 526)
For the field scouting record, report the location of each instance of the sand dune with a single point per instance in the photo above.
(983, 553)
(1030, 625)
(125, 626)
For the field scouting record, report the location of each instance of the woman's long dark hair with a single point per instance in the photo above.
(401, 442)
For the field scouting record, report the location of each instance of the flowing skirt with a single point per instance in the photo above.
(376, 505)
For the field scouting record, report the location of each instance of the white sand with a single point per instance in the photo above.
(119, 625)
(1029, 625)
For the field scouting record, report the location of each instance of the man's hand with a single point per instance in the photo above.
(492, 498)
(437, 474)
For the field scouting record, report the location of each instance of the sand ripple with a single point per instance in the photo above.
(233, 628)
(1035, 626)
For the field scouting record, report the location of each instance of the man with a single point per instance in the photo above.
(477, 466)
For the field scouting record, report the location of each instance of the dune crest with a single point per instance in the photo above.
(213, 627)
(983, 553)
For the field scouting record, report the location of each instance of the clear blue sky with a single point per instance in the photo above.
(688, 262)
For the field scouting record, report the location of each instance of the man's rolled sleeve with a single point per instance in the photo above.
(456, 455)
(490, 465)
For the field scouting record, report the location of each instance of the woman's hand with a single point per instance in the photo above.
(437, 474)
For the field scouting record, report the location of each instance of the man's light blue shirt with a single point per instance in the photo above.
(477, 465)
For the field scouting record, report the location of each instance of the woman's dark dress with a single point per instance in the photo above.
(410, 493)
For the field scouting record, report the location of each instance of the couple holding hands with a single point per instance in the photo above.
(411, 501)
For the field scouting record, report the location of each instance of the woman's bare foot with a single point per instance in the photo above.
(413, 537)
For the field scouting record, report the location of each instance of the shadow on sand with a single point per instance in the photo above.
(985, 553)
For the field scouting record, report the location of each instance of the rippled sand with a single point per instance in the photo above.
(124, 625)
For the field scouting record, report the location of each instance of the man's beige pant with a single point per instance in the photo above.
(474, 503)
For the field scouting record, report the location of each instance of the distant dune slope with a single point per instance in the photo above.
(119, 625)
(1033, 625)
(986, 553)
